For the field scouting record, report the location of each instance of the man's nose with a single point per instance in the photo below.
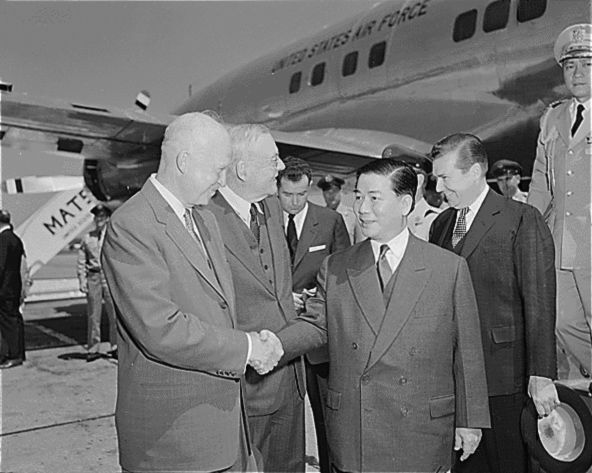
(439, 186)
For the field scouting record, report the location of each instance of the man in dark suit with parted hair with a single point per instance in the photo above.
(12, 328)
(406, 382)
(313, 232)
(510, 254)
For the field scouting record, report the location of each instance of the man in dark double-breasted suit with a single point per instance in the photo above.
(406, 382)
(312, 233)
(510, 254)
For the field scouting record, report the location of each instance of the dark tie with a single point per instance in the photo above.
(579, 119)
(254, 223)
(461, 227)
(384, 268)
(292, 236)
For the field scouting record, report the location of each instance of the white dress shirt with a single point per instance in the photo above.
(299, 219)
(397, 247)
(474, 208)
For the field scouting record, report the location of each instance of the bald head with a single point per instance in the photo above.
(194, 155)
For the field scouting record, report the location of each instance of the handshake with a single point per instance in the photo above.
(266, 351)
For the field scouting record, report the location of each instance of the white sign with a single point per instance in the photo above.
(54, 225)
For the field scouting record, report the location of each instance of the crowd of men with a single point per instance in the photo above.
(418, 342)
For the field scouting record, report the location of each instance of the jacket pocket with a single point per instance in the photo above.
(442, 406)
(503, 334)
(333, 400)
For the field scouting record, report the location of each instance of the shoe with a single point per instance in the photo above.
(112, 354)
(11, 363)
(92, 357)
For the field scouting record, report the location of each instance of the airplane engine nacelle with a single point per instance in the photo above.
(121, 180)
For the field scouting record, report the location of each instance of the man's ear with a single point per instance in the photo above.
(476, 170)
(406, 203)
(241, 170)
(181, 161)
(420, 180)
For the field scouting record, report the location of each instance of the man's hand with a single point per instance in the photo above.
(544, 395)
(266, 351)
(298, 301)
(467, 440)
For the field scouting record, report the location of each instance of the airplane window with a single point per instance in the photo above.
(350, 64)
(464, 25)
(531, 9)
(295, 82)
(318, 74)
(496, 15)
(377, 54)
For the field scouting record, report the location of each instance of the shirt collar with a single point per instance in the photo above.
(170, 198)
(238, 204)
(574, 105)
(7, 227)
(298, 218)
(397, 245)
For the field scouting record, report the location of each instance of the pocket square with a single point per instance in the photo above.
(312, 249)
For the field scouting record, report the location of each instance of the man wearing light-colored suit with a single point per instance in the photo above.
(560, 189)
(406, 382)
(181, 357)
(313, 233)
(250, 219)
(510, 254)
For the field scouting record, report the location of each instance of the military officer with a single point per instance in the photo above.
(421, 218)
(92, 282)
(560, 189)
(508, 175)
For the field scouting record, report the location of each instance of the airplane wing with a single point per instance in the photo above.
(340, 150)
(78, 130)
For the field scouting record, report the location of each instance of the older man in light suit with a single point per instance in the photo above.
(250, 219)
(406, 376)
(181, 356)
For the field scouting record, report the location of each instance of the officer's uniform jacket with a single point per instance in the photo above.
(89, 255)
(420, 220)
(560, 186)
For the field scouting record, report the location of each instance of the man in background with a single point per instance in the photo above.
(509, 250)
(560, 189)
(12, 326)
(92, 282)
(332, 194)
(423, 214)
(508, 175)
(312, 233)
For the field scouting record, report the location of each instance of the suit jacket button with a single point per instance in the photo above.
(404, 411)
(354, 345)
(365, 379)
(223, 305)
(412, 351)
(402, 380)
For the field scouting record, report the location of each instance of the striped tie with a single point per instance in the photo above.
(383, 267)
(460, 229)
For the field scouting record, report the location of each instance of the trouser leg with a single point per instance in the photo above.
(94, 298)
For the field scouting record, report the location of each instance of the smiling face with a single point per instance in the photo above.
(461, 188)
(382, 214)
(263, 166)
(576, 73)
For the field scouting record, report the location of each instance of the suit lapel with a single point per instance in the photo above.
(309, 232)
(215, 249)
(235, 241)
(448, 219)
(279, 246)
(363, 280)
(177, 232)
(482, 223)
(410, 282)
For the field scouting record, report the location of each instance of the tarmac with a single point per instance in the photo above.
(57, 410)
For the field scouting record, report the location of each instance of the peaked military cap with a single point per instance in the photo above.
(328, 181)
(574, 41)
(505, 167)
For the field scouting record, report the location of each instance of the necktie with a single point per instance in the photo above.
(579, 119)
(254, 223)
(383, 267)
(461, 227)
(292, 236)
(188, 219)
